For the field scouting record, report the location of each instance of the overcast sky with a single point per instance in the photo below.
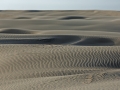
(60, 5)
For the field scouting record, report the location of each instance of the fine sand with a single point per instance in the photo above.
(60, 50)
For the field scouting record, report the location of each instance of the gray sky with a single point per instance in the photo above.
(60, 5)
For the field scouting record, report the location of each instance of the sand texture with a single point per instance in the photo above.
(59, 50)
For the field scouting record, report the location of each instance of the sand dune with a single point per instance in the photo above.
(59, 50)
(16, 31)
(23, 18)
(73, 17)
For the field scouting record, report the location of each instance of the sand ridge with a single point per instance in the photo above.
(66, 37)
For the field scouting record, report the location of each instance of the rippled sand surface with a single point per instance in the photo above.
(59, 50)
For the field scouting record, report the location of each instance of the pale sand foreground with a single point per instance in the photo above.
(59, 50)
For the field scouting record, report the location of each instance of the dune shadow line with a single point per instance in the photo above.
(72, 17)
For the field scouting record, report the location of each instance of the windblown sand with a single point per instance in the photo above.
(59, 50)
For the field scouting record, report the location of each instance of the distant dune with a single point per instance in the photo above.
(59, 50)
